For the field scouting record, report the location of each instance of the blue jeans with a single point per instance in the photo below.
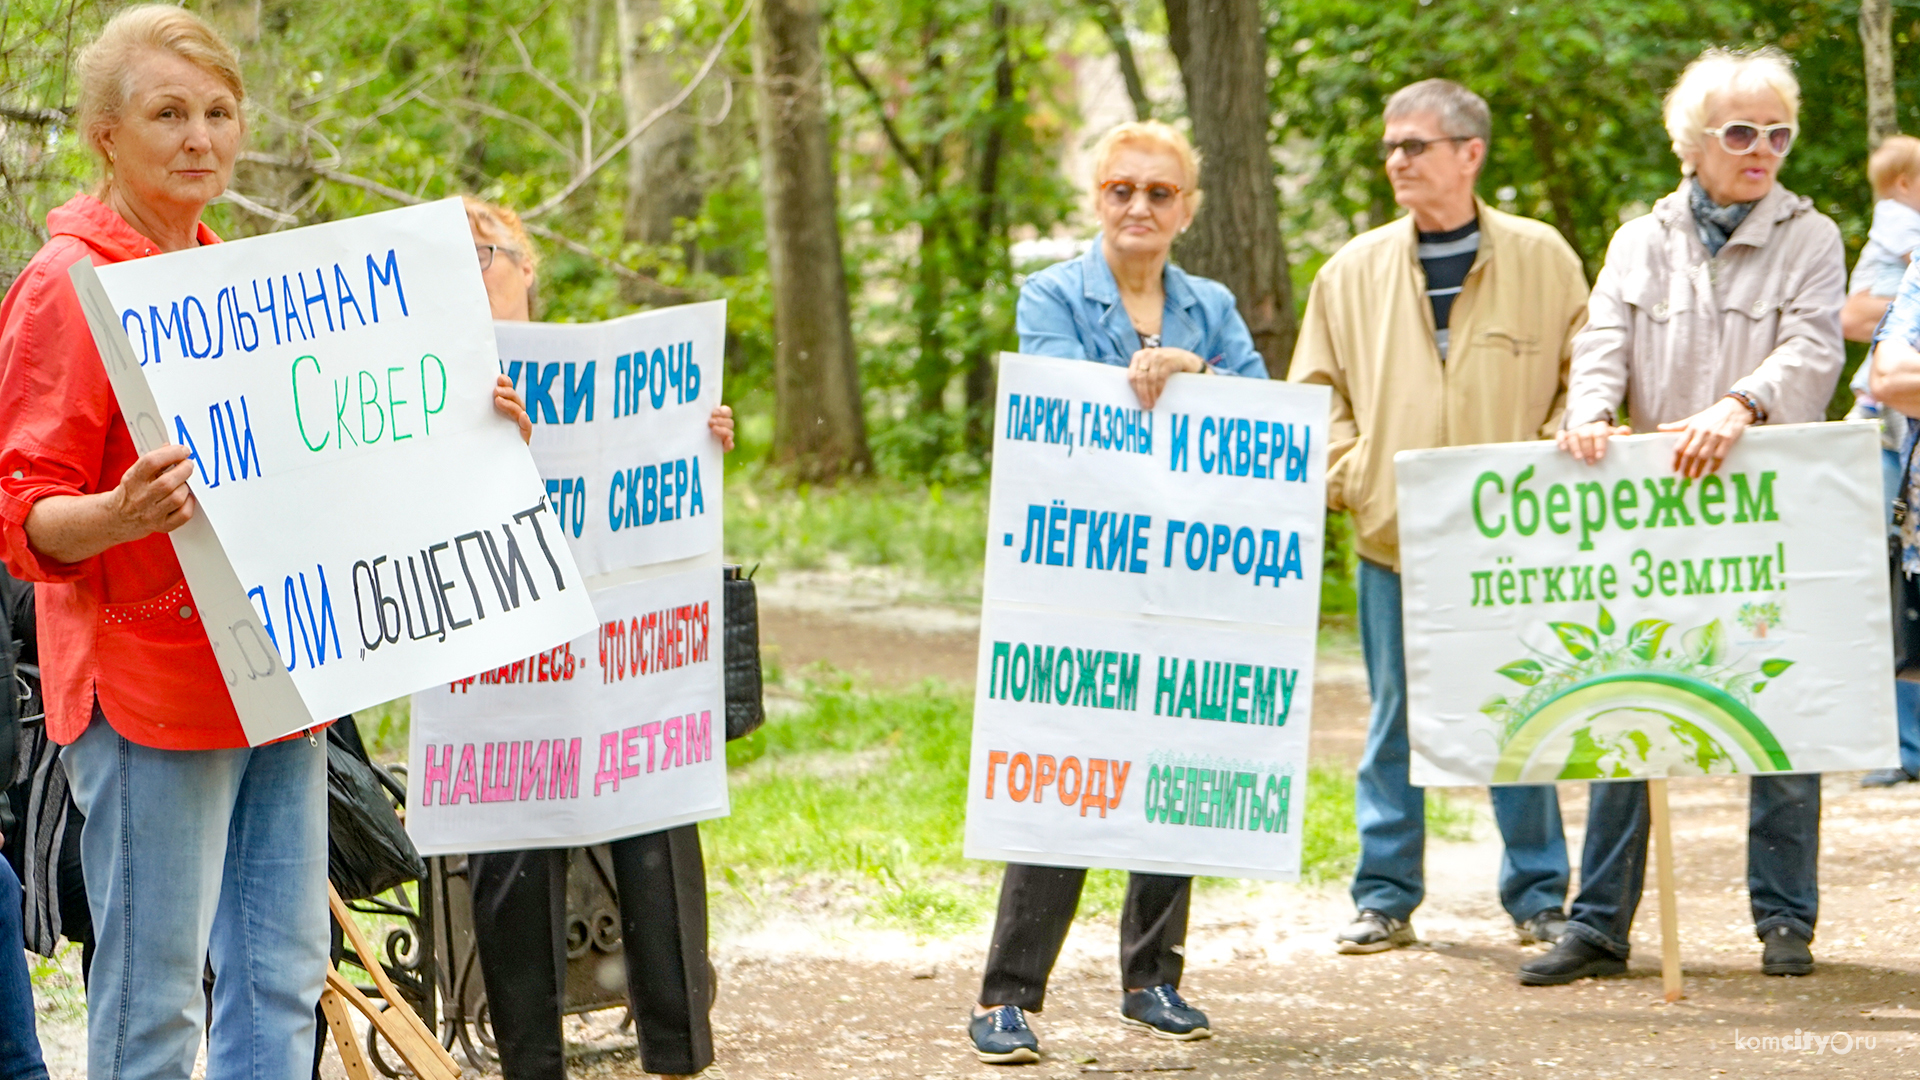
(1783, 853)
(19, 1041)
(1392, 813)
(1906, 695)
(197, 855)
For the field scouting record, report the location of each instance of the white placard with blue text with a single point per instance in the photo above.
(1619, 621)
(368, 524)
(1148, 626)
(621, 732)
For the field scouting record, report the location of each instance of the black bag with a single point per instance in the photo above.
(368, 852)
(740, 631)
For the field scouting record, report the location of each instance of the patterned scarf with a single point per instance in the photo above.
(1714, 223)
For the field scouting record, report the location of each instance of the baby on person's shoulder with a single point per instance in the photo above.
(1894, 170)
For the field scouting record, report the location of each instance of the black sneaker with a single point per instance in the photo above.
(1001, 1037)
(1887, 778)
(1545, 928)
(1573, 958)
(1160, 1010)
(1375, 931)
(1786, 953)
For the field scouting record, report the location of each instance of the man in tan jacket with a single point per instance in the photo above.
(1447, 327)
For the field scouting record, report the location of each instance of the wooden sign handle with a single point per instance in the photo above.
(1662, 823)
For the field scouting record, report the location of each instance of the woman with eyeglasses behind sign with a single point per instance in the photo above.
(520, 897)
(1122, 303)
(1717, 311)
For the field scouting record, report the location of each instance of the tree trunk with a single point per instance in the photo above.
(1559, 185)
(1876, 42)
(1108, 14)
(1235, 239)
(660, 180)
(818, 428)
(931, 367)
(988, 239)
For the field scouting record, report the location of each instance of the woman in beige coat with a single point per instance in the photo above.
(1717, 311)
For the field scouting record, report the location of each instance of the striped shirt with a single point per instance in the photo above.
(1446, 257)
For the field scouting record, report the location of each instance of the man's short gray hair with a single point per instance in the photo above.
(1462, 112)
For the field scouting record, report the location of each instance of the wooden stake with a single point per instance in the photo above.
(352, 1058)
(1663, 869)
(402, 1027)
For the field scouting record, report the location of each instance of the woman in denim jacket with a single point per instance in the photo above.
(1122, 303)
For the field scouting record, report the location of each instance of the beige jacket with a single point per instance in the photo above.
(1672, 330)
(1368, 334)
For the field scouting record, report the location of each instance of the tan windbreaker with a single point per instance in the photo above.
(1368, 334)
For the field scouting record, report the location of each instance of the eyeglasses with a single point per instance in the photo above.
(485, 252)
(1121, 192)
(1415, 147)
(1742, 137)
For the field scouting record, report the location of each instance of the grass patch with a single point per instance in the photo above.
(870, 786)
(936, 533)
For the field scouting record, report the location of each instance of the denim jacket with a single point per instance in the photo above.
(1073, 310)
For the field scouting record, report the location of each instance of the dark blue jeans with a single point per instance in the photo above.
(1783, 852)
(1392, 813)
(19, 1042)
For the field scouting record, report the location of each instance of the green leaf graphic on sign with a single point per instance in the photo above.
(1772, 668)
(1524, 672)
(1643, 638)
(1606, 622)
(1579, 641)
(1705, 645)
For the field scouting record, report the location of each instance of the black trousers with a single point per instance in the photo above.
(519, 923)
(1037, 904)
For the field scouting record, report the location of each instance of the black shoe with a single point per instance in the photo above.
(1887, 778)
(1545, 928)
(1160, 1010)
(1787, 953)
(1573, 958)
(1002, 1037)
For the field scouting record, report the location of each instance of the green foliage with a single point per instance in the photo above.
(1703, 655)
(1575, 91)
(935, 532)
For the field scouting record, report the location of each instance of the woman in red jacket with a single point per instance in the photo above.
(196, 847)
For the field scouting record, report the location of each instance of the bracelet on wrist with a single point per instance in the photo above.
(1752, 404)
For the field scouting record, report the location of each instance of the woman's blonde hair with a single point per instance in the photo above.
(106, 64)
(503, 227)
(1154, 135)
(1717, 74)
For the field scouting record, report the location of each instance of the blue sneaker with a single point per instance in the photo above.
(1002, 1037)
(1160, 1010)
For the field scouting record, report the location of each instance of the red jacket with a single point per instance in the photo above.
(122, 624)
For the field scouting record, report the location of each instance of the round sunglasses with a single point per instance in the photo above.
(1121, 192)
(1744, 137)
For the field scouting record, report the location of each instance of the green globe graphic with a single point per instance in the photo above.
(1639, 723)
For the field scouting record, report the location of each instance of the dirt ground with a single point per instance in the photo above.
(812, 1001)
(811, 996)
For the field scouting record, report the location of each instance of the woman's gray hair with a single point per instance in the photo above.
(1462, 112)
(1716, 74)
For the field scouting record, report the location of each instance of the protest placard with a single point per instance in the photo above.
(367, 524)
(1148, 625)
(1574, 622)
(621, 732)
